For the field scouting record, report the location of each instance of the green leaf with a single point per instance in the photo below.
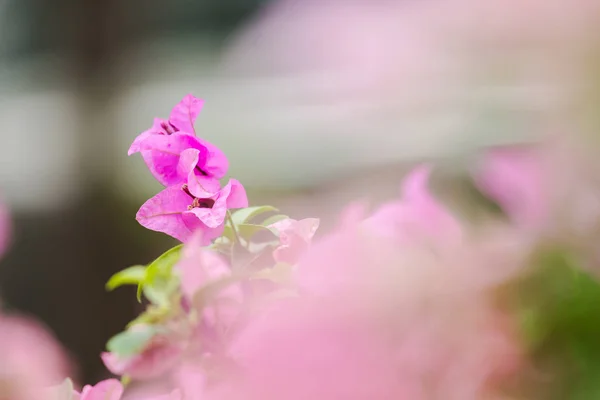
(129, 276)
(274, 219)
(247, 231)
(246, 214)
(164, 263)
(131, 342)
(159, 277)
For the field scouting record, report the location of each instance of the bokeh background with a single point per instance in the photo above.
(315, 102)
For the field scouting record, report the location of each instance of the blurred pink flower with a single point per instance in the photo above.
(163, 147)
(159, 356)
(110, 389)
(312, 351)
(178, 213)
(417, 216)
(294, 237)
(515, 178)
(199, 267)
(378, 320)
(30, 359)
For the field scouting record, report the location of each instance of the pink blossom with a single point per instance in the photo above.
(294, 237)
(178, 213)
(417, 215)
(199, 267)
(514, 177)
(163, 144)
(377, 321)
(160, 355)
(110, 389)
(30, 359)
(310, 350)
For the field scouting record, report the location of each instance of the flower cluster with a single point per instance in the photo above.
(190, 168)
(405, 302)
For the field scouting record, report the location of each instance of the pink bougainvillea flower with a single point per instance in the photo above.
(30, 359)
(163, 144)
(417, 216)
(160, 355)
(191, 380)
(178, 213)
(110, 389)
(294, 237)
(312, 350)
(199, 267)
(514, 178)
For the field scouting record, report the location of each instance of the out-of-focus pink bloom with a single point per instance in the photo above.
(110, 389)
(199, 267)
(305, 350)
(30, 359)
(294, 237)
(159, 356)
(174, 395)
(4, 228)
(417, 216)
(178, 213)
(163, 147)
(515, 178)
(191, 380)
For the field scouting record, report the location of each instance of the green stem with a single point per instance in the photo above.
(234, 229)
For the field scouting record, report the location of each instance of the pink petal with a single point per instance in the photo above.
(164, 213)
(418, 215)
(155, 130)
(513, 177)
(174, 395)
(110, 389)
(30, 357)
(193, 222)
(162, 152)
(199, 185)
(157, 358)
(191, 379)
(216, 163)
(185, 112)
(236, 196)
(199, 266)
(295, 237)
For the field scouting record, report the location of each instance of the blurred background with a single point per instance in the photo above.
(315, 102)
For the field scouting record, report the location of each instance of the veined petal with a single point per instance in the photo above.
(185, 113)
(163, 213)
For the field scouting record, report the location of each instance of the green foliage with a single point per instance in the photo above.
(159, 282)
(156, 281)
(273, 219)
(129, 276)
(559, 309)
(131, 342)
(245, 215)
